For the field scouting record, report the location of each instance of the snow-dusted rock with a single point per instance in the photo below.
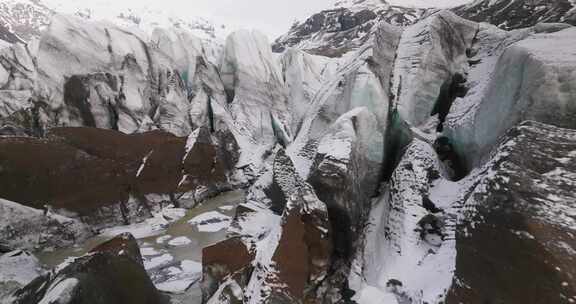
(18, 269)
(346, 174)
(515, 14)
(23, 227)
(516, 243)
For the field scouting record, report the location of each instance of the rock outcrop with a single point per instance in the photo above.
(522, 220)
(106, 177)
(30, 229)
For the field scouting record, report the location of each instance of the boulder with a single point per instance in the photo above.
(30, 229)
(111, 273)
(18, 269)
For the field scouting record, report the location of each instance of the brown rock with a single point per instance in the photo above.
(223, 260)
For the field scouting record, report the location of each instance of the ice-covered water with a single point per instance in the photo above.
(168, 250)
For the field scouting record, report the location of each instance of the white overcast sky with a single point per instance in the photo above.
(272, 17)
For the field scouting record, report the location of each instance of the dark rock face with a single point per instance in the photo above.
(112, 273)
(518, 248)
(514, 14)
(95, 173)
(222, 260)
(210, 160)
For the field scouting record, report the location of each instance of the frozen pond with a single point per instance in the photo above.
(172, 252)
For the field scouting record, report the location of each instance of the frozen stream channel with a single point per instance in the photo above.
(172, 251)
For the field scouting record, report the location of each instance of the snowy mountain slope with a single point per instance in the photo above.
(514, 14)
(345, 27)
(22, 20)
(348, 25)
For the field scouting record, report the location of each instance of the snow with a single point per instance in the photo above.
(394, 250)
(208, 216)
(158, 261)
(143, 165)
(179, 241)
(181, 277)
(148, 251)
(176, 286)
(212, 221)
(60, 292)
(163, 239)
(151, 226)
(253, 78)
(374, 295)
(227, 208)
(19, 266)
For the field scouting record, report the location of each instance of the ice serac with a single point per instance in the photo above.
(255, 91)
(17, 74)
(432, 63)
(111, 273)
(97, 74)
(517, 242)
(346, 174)
(303, 75)
(362, 80)
(530, 80)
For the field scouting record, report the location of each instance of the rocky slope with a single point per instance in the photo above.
(433, 163)
(510, 15)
